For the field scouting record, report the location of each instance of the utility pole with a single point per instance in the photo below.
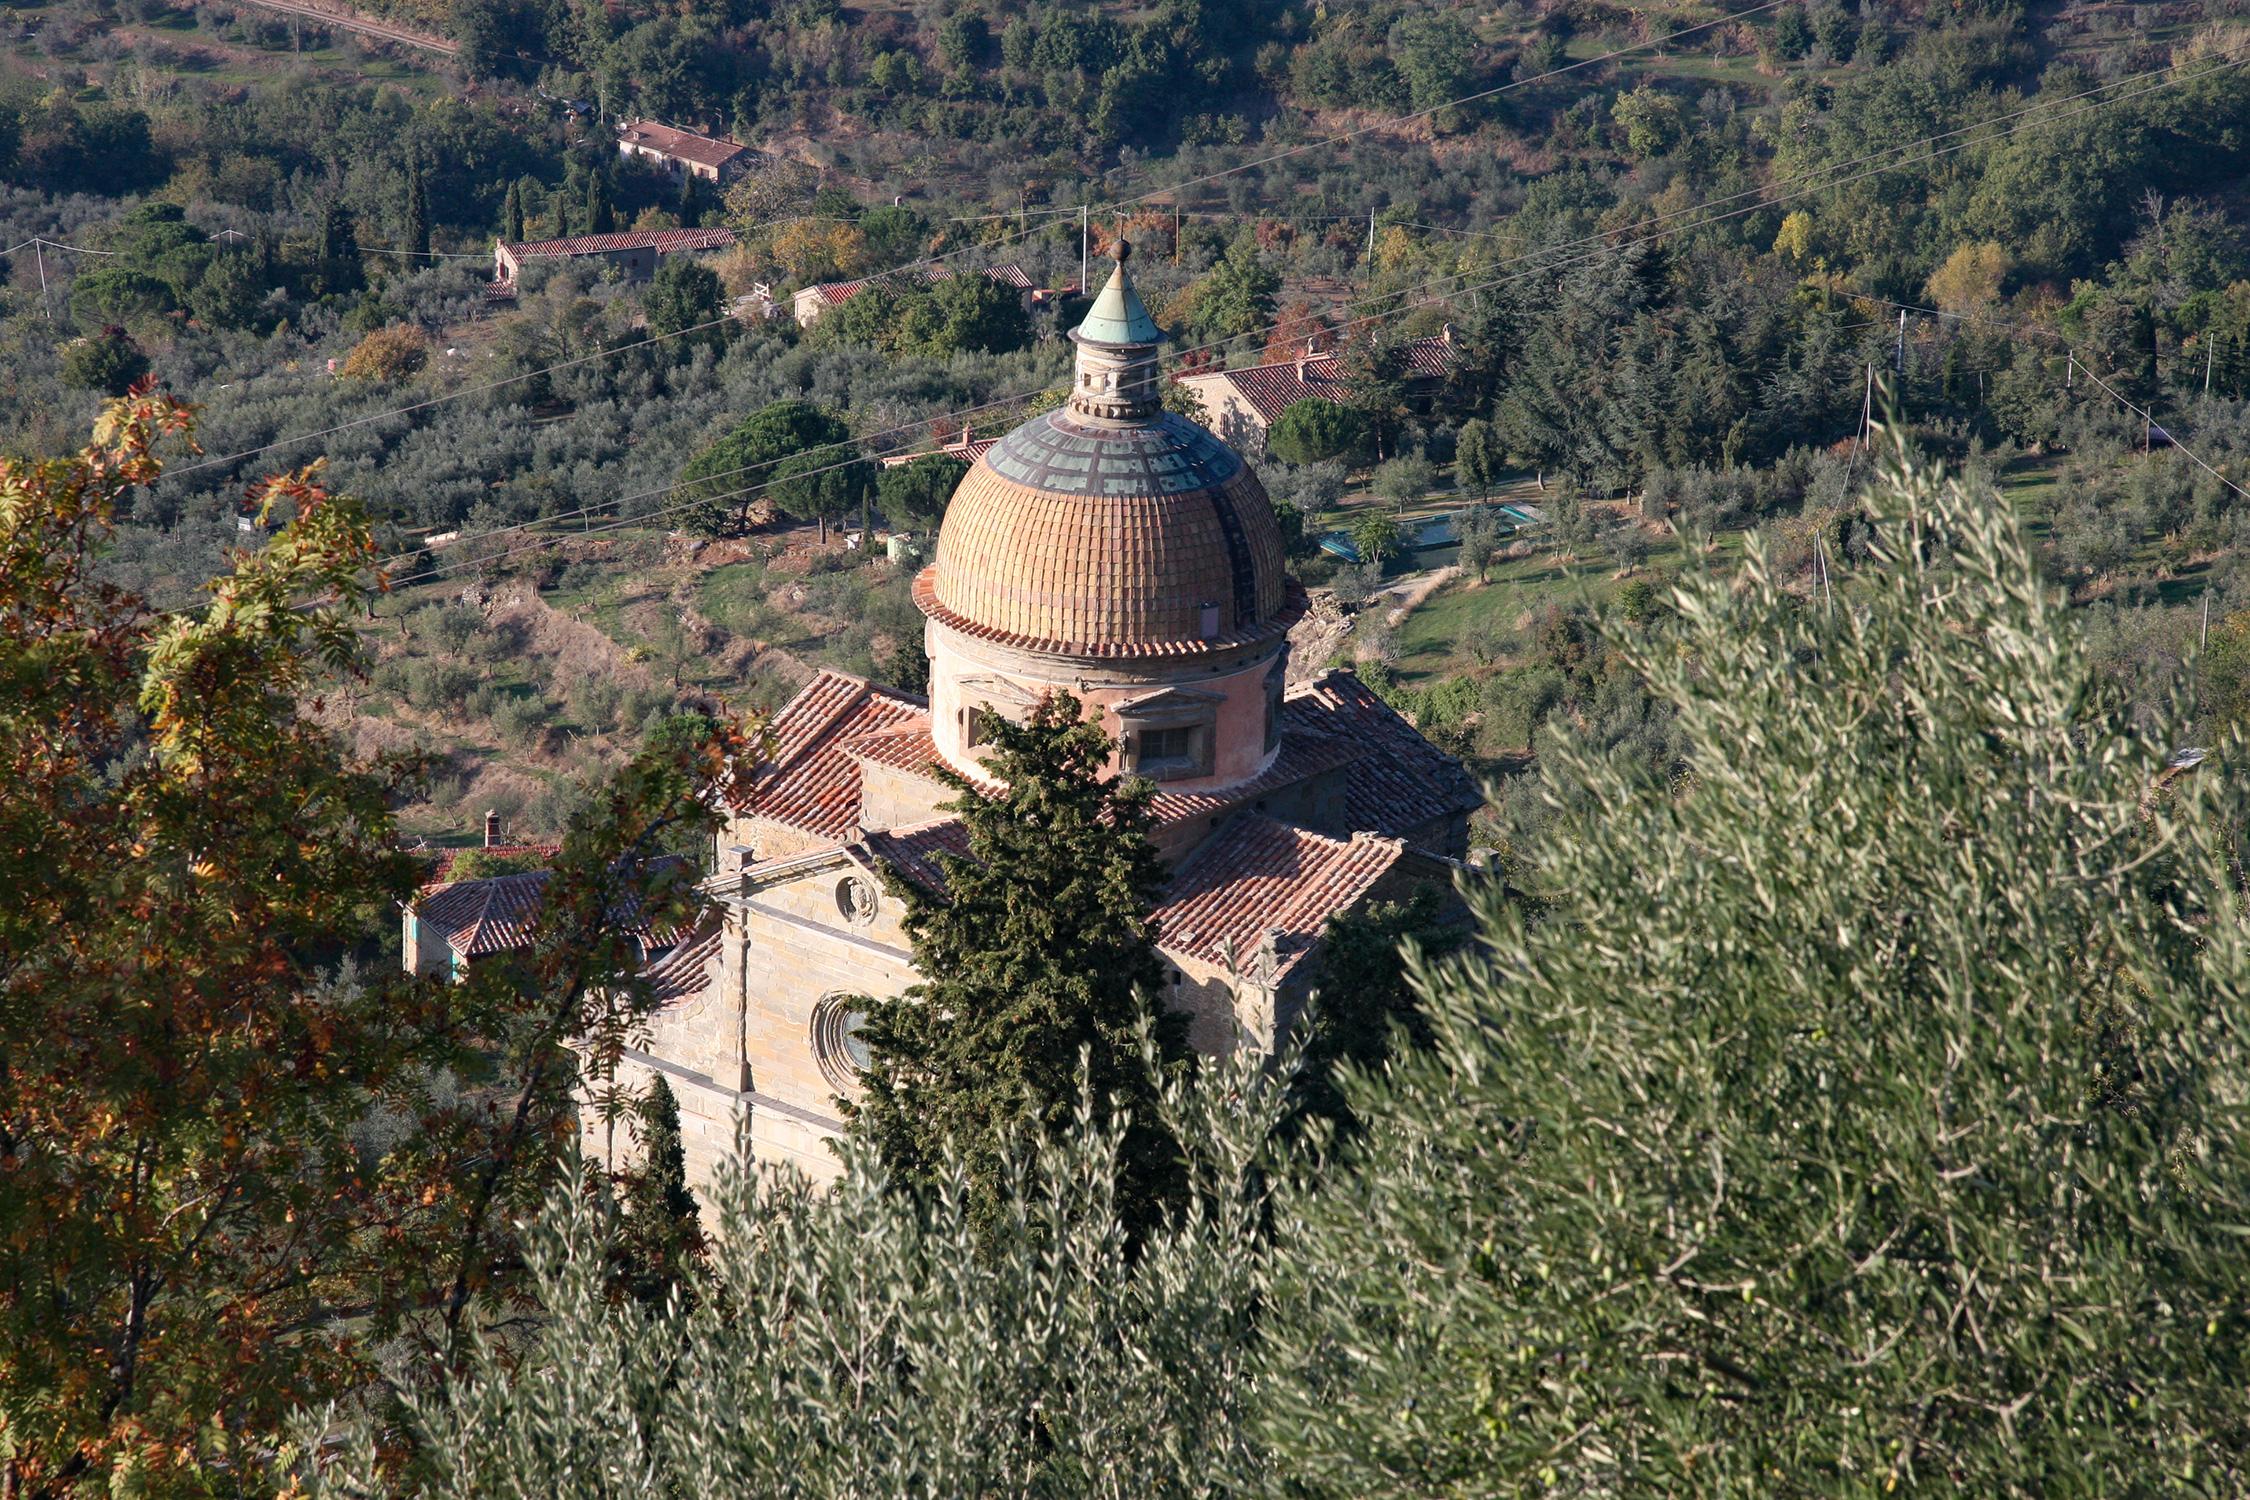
(1175, 234)
(1083, 231)
(2210, 347)
(2206, 641)
(1820, 551)
(1902, 343)
(2070, 368)
(39, 255)
(1371, 239)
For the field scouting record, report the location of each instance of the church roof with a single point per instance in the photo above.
(1118, 316)
(682, 971)
(1396, 783)
(1110, 527)
(1105, 540)
(810, 778)
(1403, 783)
(1257, 876)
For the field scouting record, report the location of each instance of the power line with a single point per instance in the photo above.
(2146, 413)
(517, 379)
(1808, 181)
(2168, 76)
(1176, 187)
(1423, 114)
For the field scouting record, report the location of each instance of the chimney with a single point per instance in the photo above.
(1446, 335)
(492, 830)
(1304, 360)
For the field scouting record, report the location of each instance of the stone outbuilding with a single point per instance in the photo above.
(636, 253)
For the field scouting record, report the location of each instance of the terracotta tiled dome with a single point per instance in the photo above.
(1110, 527)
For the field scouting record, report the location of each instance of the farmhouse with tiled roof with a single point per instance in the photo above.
(683, 152)
(635, 252)
(811, 302)
(1241, 405)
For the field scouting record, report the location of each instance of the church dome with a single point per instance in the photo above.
(1110, 527)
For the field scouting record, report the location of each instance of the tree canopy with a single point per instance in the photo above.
(1857, 1108)
(1037, 960)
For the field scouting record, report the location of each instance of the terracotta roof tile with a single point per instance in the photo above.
(684, 971)
(441, 867)
(1257, 876)
(1305, 753)
(687, 145)
(811, 780)
(662, 241)
(1007, 274)
(903, 747)
(913, 852)
(1270, 390)
(1404, 782)
(1254, 876)
(499, 914)
(475, 917)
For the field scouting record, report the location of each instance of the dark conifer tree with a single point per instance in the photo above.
(340, 270)
(691, 203)
(662, 1234)
(600, 219)
(511, 214)
(417, 211)
(1039, 948)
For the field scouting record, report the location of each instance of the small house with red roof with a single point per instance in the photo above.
(684, 153)
(1242, 405)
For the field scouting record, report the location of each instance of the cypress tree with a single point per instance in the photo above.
(691, 203)
(1038, 949)
(340, 270)
(417, 209)
(661, 1235)
(599, 218)
(511, 214)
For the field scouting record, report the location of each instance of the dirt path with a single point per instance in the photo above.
(347, 20)
(1419, 590)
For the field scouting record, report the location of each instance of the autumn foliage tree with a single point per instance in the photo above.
(229, 1176)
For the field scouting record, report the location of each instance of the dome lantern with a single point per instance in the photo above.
(1116, 373)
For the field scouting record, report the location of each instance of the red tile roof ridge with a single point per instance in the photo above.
(688, 145)
(665, 241)
(1297, 877)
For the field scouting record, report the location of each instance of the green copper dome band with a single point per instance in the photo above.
(1169, 456)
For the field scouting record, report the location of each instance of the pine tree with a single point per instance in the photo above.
(1038, 950)
(661, 1234)
(691, 202)
(511, 215)
(417, 210)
